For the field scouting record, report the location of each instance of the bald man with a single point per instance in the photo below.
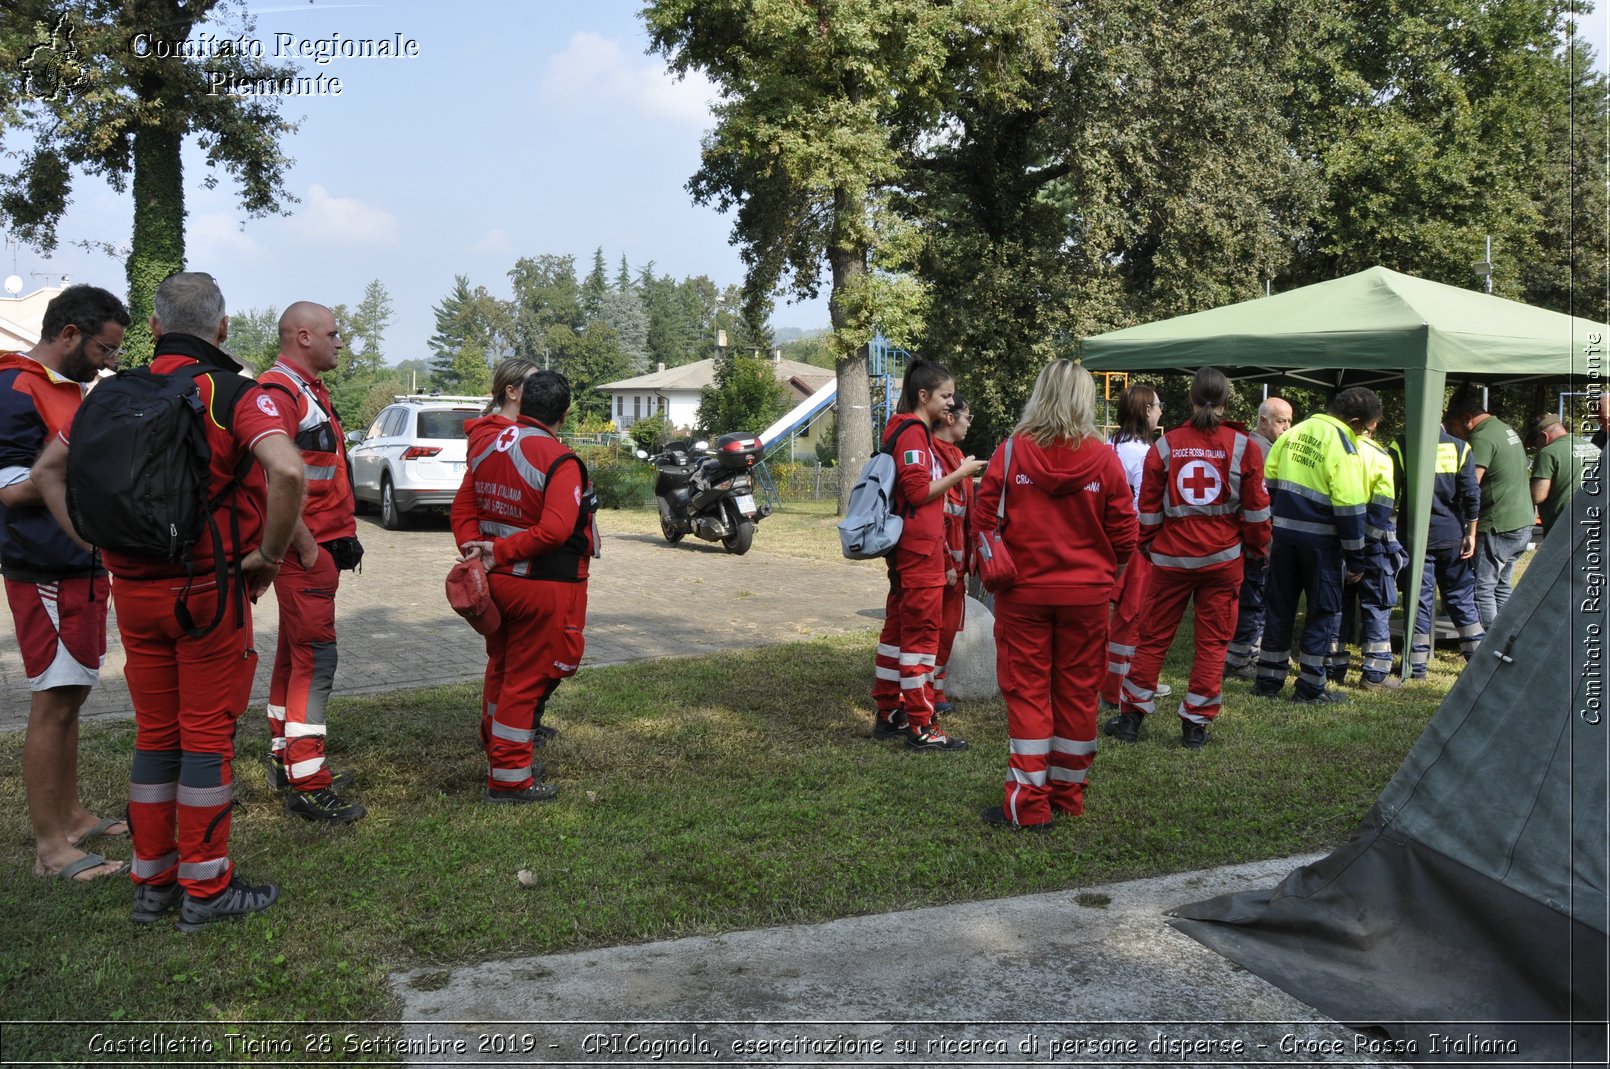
(324, 542)
(1274, 419)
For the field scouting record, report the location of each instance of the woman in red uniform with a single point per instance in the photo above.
(1070, 529)
(1202, 500)
(1139, 411)
(958, 501)
(902, 690)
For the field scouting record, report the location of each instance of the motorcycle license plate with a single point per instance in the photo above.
(745, 503)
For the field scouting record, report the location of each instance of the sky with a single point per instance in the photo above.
(515, 129)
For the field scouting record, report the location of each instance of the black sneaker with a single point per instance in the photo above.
(323, 804)
(995, 816)
(545, 735)
(537, 792)
(932, 737)
(279, 781)
(943, 707)
(1324, 697)
(1247, 672)
(239, 899)
(1125, 727)
(153, 901)
(1193, 736)
(889, 727)
(1259, 690)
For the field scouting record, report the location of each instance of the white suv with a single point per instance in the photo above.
(412, 457)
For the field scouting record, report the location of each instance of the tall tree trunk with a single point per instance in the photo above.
(158, 246)
(854, 423)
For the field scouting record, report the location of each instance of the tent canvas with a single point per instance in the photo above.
(1374, 328)
(1470, 903)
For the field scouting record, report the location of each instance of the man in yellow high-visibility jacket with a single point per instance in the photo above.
(1318, 494)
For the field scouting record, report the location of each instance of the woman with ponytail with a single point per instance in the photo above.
(902, 689)
(1202, 504)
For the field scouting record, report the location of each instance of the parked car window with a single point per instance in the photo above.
(375, 430)
(394, 422)
(445, 424)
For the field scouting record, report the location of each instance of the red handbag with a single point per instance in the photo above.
(993, 562)
(470, 595)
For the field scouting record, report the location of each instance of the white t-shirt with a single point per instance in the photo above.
(1132, 454)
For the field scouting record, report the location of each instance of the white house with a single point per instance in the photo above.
(21, 317)
(675, 392)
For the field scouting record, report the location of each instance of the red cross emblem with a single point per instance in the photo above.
(507, 439)
(1199, 483)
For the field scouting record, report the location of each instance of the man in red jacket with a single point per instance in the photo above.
(305, 661)
(525, 510)
(57, 590)
(189, 689)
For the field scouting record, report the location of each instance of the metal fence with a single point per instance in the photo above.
(806, 482)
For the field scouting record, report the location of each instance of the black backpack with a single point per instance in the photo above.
(138, 470)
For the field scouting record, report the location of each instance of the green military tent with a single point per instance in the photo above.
(1466, 919)
(1376, 328)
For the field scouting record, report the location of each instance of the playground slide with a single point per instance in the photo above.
(800, 415)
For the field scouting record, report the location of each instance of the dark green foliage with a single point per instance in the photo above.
(745, 396)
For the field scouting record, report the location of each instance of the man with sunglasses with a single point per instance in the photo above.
(57, 590)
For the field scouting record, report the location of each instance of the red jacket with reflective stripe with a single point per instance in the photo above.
(1202, 498)
(508, 498)
(328, 508)
(958, 501)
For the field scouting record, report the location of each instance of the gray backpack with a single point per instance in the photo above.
(871, 526)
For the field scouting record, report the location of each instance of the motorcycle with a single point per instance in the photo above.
(709, 493)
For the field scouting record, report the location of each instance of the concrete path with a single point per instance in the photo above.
(645, 599)
(1085, 976)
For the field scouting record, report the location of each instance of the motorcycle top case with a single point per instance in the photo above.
(738, 451)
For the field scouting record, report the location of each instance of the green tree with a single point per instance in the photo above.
(745, 396)
(468, 318)
(363, 357)
(594, 287)
(471, 372)
(821, 107)
(1432, 122)
(545, 294)
(589, 358)
(90, 99)
(623, 275)
(413, 374)
(623, 310)
(375, 397)
(254, 336)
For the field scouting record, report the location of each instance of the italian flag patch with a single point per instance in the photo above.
(913, 456)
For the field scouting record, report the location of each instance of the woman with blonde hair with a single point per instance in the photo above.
(1070, 529)
(508, 379)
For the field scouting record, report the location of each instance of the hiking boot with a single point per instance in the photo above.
(1260, 690)
(323, 804)
(1193, 736)
(995, 816)
(1125, 727)
(545, 735)
(1324, 697)
(931, 737)
(892, 726)
(1248, 672)
(943, 707)
(279, 781)
(237, 900)
(1385, 683)
(537, 792)
(153, 901)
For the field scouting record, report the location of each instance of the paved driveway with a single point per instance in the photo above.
(645, 599)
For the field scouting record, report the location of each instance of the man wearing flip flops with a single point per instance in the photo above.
(57, 590)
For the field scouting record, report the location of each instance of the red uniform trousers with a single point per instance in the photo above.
(908, 646)
(1124, 631)
(1216, 592)
(540, 643)
(187, 693)
(1050, 664)
(952, 615)
(304, 668)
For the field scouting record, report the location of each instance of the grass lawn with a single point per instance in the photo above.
(700, 796)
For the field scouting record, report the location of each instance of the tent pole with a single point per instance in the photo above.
(1422, 417)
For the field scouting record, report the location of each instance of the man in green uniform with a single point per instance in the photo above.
(1505, 526)
(1558, 467)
